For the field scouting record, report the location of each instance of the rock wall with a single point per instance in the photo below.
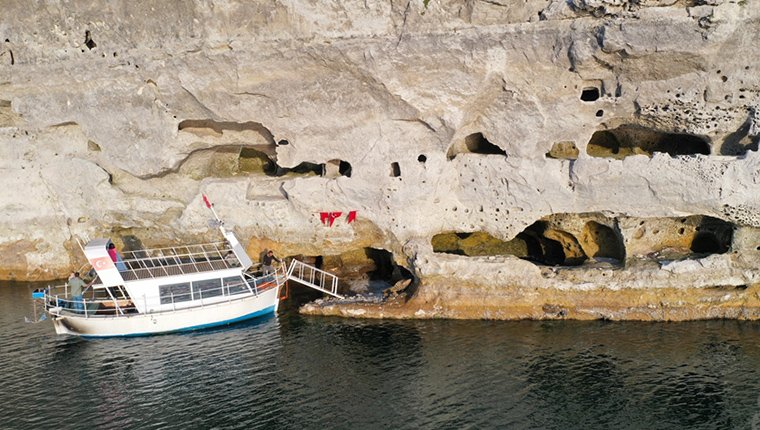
(426, 117)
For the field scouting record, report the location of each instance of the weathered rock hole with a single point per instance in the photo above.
(345, 168)
(629, 140)
(563, 151)
(422, 158)
(681, 238)
(601, 241)
(92, 146)
(536, 243)
(740, 141)
(252, 161)
(599, 113)
(88, 40)
(395, 170)
(305, 168)
(714, 237)
(590, 94)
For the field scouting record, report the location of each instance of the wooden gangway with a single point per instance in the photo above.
(314, 278)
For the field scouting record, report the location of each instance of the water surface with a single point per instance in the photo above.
(293, 372)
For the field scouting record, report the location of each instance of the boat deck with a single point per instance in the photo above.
(133, 274)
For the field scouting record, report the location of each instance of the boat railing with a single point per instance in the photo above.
(89, 307)
(177, 260)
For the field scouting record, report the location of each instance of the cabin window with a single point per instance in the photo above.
(234, 285)
(207, 288)
(175, 293)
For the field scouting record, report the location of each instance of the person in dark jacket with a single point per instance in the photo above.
(266, 262)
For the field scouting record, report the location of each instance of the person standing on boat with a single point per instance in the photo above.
(75, 291)
(266, 262)
(116, 258)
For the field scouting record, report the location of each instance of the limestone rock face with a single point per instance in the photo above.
(562, 123)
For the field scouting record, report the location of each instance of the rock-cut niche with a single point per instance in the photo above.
(475, 143)
(376, 266)
(629, 140)
(541, 243)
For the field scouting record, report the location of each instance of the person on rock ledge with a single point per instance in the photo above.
(266, 262)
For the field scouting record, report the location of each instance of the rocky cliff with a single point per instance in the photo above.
(539, 159)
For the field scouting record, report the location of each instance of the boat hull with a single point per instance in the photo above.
(195, 318)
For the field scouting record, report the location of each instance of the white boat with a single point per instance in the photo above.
(174, 289)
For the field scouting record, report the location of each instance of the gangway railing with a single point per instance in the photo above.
(314, 278)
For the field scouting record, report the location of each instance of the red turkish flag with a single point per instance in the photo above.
(102, 263)
(205, 200)
(333, 217)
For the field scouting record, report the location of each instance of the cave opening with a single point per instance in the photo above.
(706, 243)
(304, 168)
(475, 143)
(255, 161)
(365, 270)
(384, 265)
(335, 168)
(542, 249)
(629, 140)
(713, 236)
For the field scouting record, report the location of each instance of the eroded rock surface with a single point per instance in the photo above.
(549, 129)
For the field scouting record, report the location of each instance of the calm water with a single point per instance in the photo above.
(310, 372)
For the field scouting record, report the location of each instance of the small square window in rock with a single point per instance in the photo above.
(395, 170)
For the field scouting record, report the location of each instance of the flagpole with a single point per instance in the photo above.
(211, 206)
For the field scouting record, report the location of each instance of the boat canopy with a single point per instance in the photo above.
(237, 248)
(96, 252)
